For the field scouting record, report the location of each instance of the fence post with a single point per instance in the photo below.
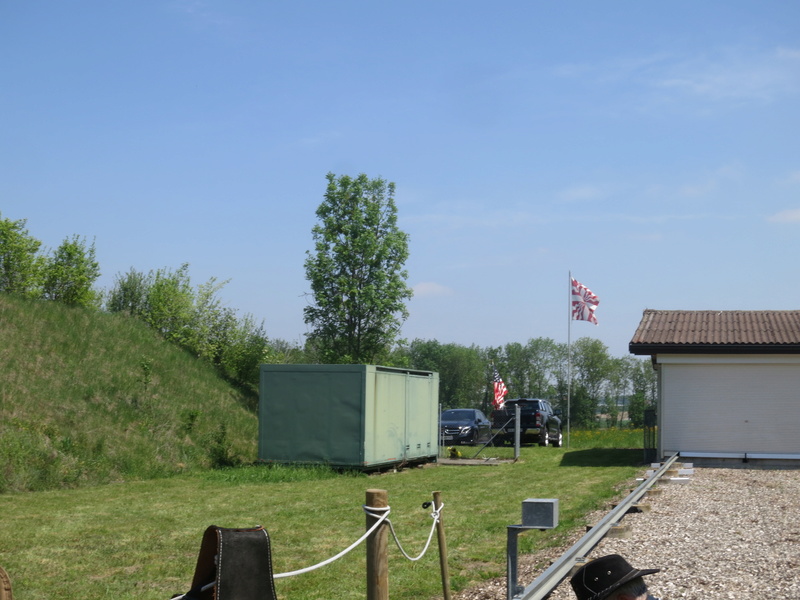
(437, 503)
(377, 546)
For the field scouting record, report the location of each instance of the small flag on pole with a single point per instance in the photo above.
(500, 391)
(584, 303)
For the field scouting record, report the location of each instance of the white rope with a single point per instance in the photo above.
(435, 517)
(377, 523)
(371, 511)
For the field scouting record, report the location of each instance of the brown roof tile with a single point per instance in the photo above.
(712, 330)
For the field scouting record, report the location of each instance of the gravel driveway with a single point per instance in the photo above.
(727, 534)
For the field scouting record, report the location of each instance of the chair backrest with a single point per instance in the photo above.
(5, 585)
(238, 562)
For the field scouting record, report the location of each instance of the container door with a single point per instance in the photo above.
(421, 420)
(385, 429)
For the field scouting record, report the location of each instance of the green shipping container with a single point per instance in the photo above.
(363, 416)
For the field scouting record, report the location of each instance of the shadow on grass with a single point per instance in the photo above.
(603, 457)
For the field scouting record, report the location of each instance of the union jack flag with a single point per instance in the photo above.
(500, 391)
(584, 303)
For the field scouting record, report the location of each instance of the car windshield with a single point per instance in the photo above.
(457, 415)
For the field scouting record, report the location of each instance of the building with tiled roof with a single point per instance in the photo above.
(729, 382)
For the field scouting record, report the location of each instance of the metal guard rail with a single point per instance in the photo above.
(547, 581)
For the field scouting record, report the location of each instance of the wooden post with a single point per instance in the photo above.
(377, 545)
(437, 503)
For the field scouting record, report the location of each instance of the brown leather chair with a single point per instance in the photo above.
(5, 586)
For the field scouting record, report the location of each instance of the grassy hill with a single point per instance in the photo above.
(88, 398)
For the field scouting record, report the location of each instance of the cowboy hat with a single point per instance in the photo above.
(597, 579)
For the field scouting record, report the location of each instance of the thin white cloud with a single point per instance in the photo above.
(712, 182)
(202, 15)
(320, 139)
(428, 289)
(462, 217)
(793, 178)
(583, 193)
(602, 202)
(520, 221)
(788, 53)
(612, 71)
(734, 75)
(787, 216)
(648, 237)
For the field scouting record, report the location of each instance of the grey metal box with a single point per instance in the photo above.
(540, 513)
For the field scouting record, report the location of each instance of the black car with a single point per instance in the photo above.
(464, 426)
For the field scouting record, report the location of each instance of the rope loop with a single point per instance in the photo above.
(435, 516)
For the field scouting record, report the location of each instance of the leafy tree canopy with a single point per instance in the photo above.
(356, 272)
(20, 263)
(69, 275)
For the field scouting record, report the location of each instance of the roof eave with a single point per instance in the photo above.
(652, 349)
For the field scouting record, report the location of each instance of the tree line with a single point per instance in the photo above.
(596, 384)
(356, 310)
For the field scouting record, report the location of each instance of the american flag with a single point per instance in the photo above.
(584, 303)
(500, 391)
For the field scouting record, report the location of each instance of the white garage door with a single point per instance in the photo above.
(723, 407)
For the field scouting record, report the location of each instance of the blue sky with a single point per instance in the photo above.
(649, 148)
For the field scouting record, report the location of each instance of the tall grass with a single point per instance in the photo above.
(606, 438)
(92, 398)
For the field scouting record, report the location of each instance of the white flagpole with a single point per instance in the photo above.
(569, 351)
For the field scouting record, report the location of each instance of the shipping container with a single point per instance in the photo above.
(362, 416)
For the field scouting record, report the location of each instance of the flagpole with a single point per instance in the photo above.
(569, 351)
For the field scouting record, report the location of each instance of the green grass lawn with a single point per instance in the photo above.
(140, 539)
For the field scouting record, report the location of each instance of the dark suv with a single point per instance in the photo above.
(539, 422)
(464, 426)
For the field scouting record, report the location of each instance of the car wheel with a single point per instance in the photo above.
(559, 440)
(545, 439)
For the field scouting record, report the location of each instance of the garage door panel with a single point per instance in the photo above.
(730, 408)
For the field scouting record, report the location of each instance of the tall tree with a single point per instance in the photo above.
(544, 354)
(645, 390)
(356, 272)
(517, 373)
(20, 263)
(591, 368)
(461, 371)
(70, 274)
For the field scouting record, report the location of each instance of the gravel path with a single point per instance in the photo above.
(727, 534)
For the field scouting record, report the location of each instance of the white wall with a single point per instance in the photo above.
(729, 404)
